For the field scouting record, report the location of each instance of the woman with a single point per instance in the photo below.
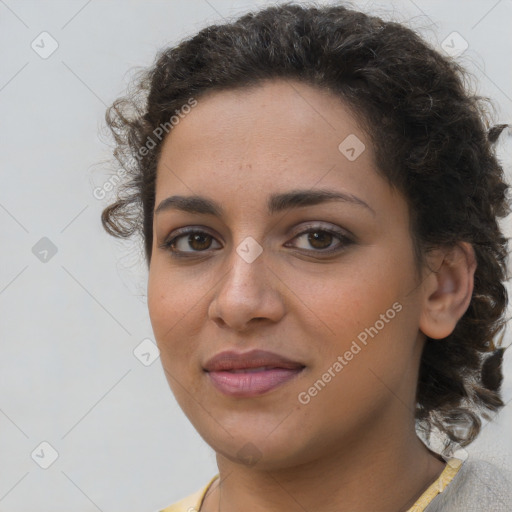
(318, 197)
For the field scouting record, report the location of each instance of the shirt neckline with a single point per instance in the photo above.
(452, 467)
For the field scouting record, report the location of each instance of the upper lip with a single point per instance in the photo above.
(231, 360)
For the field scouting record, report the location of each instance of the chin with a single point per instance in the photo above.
(257, 448)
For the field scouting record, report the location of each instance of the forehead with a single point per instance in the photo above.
(268, 127)
(274, 111)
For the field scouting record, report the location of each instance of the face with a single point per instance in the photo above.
(298, 247)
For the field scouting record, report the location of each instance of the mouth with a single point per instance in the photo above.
(251, 373)
(253, 370)
(251, 382)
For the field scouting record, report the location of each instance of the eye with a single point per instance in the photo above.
(321, 240)
(189, 241)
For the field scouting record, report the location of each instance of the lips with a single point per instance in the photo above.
(233, 361)
(251, 373)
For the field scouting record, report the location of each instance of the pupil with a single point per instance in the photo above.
(199, 242)
(318, 239)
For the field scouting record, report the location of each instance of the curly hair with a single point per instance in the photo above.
(433, 142)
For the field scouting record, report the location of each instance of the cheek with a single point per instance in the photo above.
(345, 301)
(363, 310)
(173, 309)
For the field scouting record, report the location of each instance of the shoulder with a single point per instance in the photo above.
(479, 485)
(191, 503)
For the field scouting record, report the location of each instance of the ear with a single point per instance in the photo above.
(447, 289)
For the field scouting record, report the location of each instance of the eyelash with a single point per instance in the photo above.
(343, 239)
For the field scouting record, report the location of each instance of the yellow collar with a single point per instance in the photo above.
(452, 467)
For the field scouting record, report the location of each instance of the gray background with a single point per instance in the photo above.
(69, 324)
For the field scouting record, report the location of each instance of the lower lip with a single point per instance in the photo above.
(251, 383)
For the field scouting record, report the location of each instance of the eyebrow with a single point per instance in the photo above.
(275, 204)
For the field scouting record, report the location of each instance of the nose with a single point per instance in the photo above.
(247, 295)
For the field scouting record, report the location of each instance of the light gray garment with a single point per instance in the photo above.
(478, 486)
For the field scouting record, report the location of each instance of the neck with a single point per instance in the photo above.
(386, 473)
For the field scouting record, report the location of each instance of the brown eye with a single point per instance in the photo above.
(320, 239)
(200, 241)
(190, 242)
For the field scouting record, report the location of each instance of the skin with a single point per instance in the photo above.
(353, 447)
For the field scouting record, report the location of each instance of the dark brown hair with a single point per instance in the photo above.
(432, 140)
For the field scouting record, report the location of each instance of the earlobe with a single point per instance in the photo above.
(447, 289)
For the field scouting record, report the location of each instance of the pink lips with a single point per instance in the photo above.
(251, 373)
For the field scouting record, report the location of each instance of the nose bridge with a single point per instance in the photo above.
(247, 266)
(247, 256)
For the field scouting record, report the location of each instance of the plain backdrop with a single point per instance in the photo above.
(72, 299)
